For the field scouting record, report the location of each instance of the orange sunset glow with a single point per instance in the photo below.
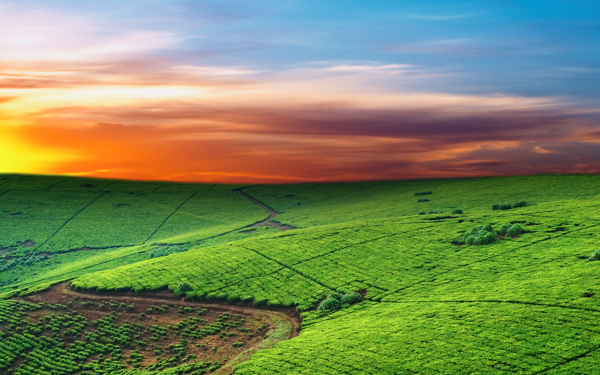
(85, 94)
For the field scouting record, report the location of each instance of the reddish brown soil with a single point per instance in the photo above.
(63, 294)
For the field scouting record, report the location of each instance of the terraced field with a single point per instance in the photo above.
(524, 300)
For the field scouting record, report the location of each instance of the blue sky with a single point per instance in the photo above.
(517, 47)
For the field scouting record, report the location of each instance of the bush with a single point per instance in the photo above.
(336, 300)
(511, 230)
(481, 235)
(423, 193)
(422, 213)
(351, 298)
(508, 206)
(182, 289)
(423, 200)
(595, 256)
(166, 250)
(330, 303)
(337, 295)
(457, 211)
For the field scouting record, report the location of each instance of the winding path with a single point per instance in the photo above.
(269, 222)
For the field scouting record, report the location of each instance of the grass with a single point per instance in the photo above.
(516, 295)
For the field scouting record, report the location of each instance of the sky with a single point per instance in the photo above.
(289, 91)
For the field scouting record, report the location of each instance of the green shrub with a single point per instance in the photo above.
(423, 200)
(480, 235)
(337, 295)
(182, 289)
(508, 206)
(330, 303)
(351, 298)
(511, 230)
(337, 300)
(423, 193)
(595, 256)
(237, 344)
(457, 211)
(421, 213)
(166, 250)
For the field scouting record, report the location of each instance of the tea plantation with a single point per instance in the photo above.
(462, 276)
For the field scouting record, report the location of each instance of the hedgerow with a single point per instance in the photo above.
(508, 206)
(166, 250)
(423, 193)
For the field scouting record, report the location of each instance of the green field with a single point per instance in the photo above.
(433, 303)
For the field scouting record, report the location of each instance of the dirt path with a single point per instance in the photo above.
(269, 222)
(60, 292)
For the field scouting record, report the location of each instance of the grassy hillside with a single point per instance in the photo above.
(433, 303)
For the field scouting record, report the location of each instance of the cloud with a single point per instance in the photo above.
(4, 99)
(195, 142)
(49, 35)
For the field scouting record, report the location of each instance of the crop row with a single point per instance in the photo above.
(65, 343)
(461, 338)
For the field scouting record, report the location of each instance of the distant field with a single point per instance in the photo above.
(525, 303)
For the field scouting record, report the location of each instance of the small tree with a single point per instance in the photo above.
(330, 303)
(182, 289)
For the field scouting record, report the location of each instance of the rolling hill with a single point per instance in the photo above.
(433, 302)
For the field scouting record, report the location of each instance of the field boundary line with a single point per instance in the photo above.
(159, 187)
(479, 261)
(54, 184)
(259, 203)
(107, 185)
(288, 267)
(513, 302)
(169, 216)
(245, 279)
(361, 243)
(60, 280)
(71, 218)
(569, 360)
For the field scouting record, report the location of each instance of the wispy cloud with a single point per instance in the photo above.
(289, 138)
(206, 90)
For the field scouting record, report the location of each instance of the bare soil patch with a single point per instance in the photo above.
(238, 328)
(26, 244)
